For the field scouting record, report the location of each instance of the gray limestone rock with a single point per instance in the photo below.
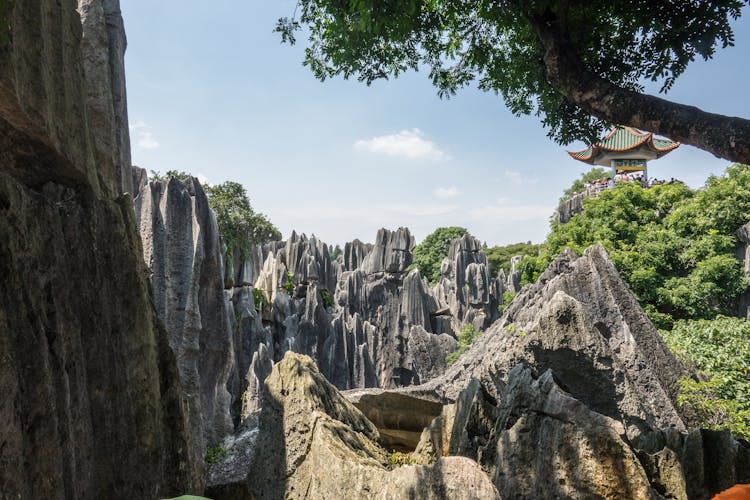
(103, 49)
(181, 248)
(378, 330)
(581, 321)
(391, 253)
(569, 208)
(466, 289)
(89, 392)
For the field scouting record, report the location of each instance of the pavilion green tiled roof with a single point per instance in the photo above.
(621, 139)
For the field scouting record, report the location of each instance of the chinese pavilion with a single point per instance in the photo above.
(625, 149)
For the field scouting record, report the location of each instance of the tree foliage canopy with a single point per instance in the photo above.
(499, 257)
(429, 254)
(580, 65)
(239, 225)
(673, 246)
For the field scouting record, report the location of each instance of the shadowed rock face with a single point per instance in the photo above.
(89, 395)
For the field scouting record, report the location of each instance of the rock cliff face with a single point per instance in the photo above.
(89, 395)
(466, 289)
(570, 208)
(182, 250)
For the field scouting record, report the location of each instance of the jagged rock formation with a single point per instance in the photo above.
(743, 254)
(365, 319)
(182, 249)
(573, 368)
(311, 442)
(581, 321)
(89, 395)
(570, 208)
(465, 289)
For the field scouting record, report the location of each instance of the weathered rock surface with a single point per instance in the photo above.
(570, 208)
(569, 395)
(542, 443)
(183, 252)
(742, 252)
(89, 394)
(580, 321)
(103, 50)
(466, 289)
(312, 443)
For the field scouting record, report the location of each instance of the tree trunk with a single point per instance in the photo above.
(726, 137)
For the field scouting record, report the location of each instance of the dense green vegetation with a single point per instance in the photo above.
(429, 254)
(239, 225)
(720, 349)
(468, 335)
(499, 257)
(674, 247)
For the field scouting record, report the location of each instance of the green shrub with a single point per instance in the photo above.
(398, 459)
(468, 335)
(215, 454)
(327, 299)
(289, 284)
(259, 297)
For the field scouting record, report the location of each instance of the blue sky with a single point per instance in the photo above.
(212, 91)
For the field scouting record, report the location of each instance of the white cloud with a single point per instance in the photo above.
(407, 144)
(449, 192)
(144, 139)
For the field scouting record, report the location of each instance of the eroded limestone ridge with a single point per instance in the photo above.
(90, 401)
(383, 326)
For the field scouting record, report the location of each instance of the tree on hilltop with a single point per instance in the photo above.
(577, 64)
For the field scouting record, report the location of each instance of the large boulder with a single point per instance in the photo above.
(540, 442)
(312, 443)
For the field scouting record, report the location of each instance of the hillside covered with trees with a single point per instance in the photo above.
(675, 248)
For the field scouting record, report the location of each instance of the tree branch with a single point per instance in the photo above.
(724, 136)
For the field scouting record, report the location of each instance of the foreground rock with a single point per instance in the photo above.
(312, 443)
(90, 401)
